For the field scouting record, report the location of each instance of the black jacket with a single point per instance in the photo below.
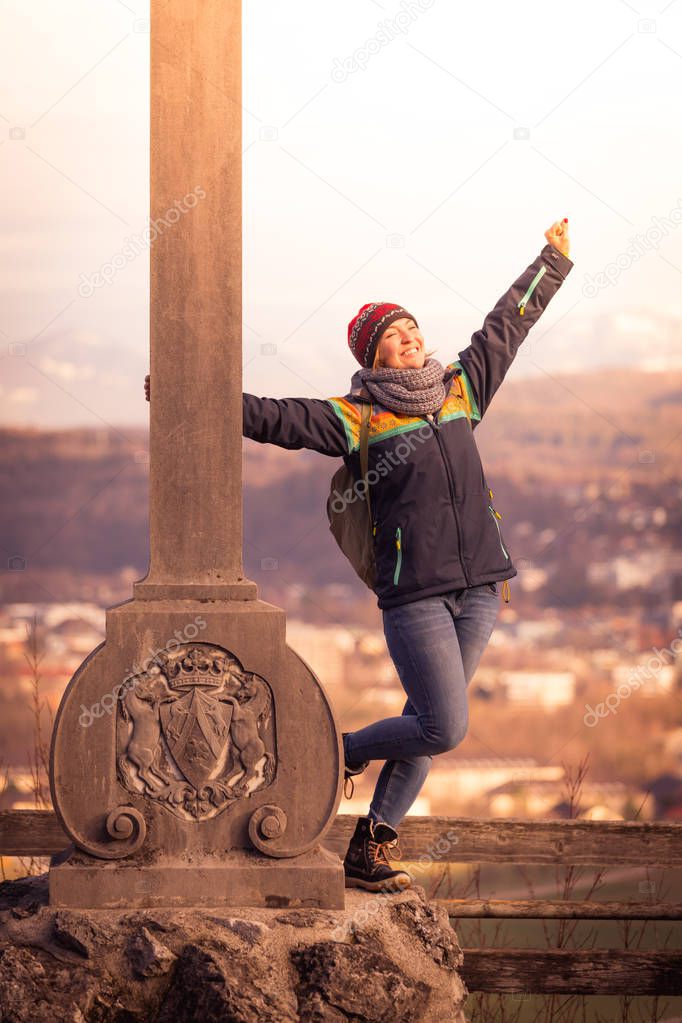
(436, 528)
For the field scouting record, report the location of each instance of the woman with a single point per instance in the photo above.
(438, 547)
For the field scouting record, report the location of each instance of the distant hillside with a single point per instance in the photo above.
(74, 503)
(582, 427)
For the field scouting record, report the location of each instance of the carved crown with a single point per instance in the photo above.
(195, 666)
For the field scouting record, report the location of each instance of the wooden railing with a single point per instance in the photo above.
(427, 840)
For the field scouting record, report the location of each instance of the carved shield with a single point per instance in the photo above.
(197, 730)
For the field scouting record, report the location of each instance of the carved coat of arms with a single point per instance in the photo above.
(195, 731)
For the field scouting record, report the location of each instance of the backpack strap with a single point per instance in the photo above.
(364, 451)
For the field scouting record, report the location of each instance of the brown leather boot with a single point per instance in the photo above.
(366, 864)
(348, 783)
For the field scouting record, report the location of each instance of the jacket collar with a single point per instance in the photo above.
(357, 389)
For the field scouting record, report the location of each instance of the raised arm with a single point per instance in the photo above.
(493, 347)
(295, 423)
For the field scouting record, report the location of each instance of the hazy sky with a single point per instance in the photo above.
(412, 152)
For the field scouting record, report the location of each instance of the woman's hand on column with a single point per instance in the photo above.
(557, 235)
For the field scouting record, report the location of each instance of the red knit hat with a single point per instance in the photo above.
(365, 329)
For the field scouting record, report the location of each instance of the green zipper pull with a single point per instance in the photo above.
(399, 555)
(499, 534)
(522, 303)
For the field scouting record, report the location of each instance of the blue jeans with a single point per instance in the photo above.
(435, 644)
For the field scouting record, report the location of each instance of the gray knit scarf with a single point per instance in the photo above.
(410, 390)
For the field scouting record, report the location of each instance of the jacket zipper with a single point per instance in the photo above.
(399, 555)
(521, 305)
(497, 516)
(436, 430)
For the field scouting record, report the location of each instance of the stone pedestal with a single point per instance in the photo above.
(383, 959)
(195, 761)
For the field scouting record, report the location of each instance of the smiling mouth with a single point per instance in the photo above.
(411, 351)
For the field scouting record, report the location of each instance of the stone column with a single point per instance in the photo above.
(185, 745)
(196, 303)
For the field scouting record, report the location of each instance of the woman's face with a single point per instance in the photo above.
(401, 346)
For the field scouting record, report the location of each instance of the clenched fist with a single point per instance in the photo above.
(557, 235)
(147, 386)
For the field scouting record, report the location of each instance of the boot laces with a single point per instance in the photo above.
(379, 851)
(348, 794)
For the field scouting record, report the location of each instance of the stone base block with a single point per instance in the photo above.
(238, 878)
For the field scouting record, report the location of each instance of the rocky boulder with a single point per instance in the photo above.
(386, 958)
